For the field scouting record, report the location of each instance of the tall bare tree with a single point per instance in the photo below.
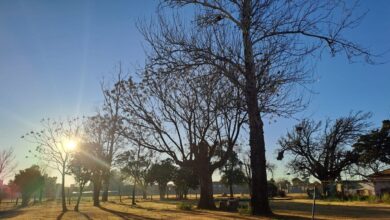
(53, 145)
(96, 137)
(189, 119)
(112, 125)
(262, 47)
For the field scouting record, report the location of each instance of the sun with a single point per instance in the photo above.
(71, 145)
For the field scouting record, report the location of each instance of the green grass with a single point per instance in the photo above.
(185, 206)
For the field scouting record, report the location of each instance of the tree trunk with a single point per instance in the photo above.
(259, 199)
(120, 193)
(96, 191)
(40, 195)
(106, 184)
(250, 189)
(25, 200)
(325, 188)
(76, 207)
(133, 196)
(206, 200)
(69, 195)
(64, 209)
(185, 192)
(231, 190)
(144, 195)
(162, 190)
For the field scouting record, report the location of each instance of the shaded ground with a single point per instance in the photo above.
(153, 210)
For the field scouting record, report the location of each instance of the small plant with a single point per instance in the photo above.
(184, 206)
(386, 198)
(372, 199)
(281, 193)
(358, 198)
(244, 209)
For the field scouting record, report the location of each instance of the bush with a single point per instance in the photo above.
(184, 206)
(281, 193)
(358, 198)
(244, 209)
(272, 189)
(372, 199)
(386, 198)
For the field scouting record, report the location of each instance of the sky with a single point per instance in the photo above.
(54, 54)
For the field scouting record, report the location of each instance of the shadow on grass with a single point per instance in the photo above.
(86, 215)
(216, 213)
(59, 217)
(125, 215)
(175, 211)
(282, 217)
(11, 212)
(174, 201)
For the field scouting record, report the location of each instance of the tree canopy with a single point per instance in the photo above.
(324, 151)
(29, 181)
(375, 145)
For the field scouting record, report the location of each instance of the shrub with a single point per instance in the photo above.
(372, 199)
(272, 189)
(244, 209)
(386, 198)
(184, 206)
(358, 198)
(281, 193)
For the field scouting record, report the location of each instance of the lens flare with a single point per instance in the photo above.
(71, 145)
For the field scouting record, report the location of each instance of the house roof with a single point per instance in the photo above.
(385, 174)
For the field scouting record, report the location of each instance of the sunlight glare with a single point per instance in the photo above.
(71, 145)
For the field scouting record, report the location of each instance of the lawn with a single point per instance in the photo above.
(153, 210)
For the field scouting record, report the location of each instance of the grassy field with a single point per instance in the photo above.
(153, 210)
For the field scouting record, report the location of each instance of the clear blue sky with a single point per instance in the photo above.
(54, 53)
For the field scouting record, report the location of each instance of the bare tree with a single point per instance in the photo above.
(95, 135)
(7, 163)
(136, 163)
(112, 125)
(195, 121)
(54, 143)
(262, 48)
(86, 165)
(324, 154)
(247, 170)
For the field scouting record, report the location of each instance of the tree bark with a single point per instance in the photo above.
(162, 190)
(206, 200)
(144, 195)
(25, 200)
(96, 192)
(76, 207)
(106, 184)
(64, 209)
(120, 193)
(40, 194)
(259, 199)
(133, 196)
(231, 190)
(105, 188)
